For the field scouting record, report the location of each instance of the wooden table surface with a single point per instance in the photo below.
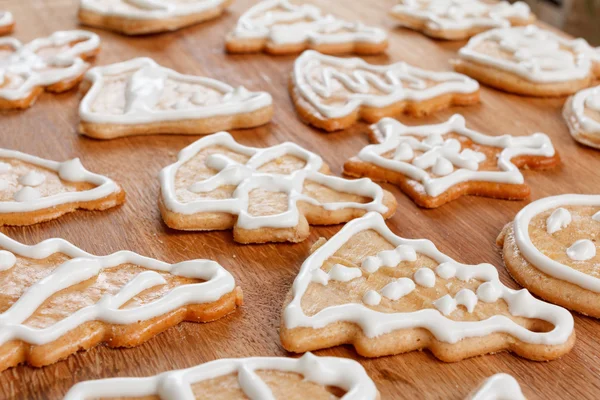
(466, 229)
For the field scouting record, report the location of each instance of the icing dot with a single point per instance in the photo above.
(371, 264)
(342, 273)
(7, 260)
(596, 216)
(399, 288)
(404, 152)
(488, 293)
(582, 250)
(470, 154)
(32, 178)
(425, 277)
(72, 171)
(446, 304)
(559, 219)
(442, 167)
(371, 298)
(446, 270)
(320, 276)
(27, 194)
(467, 298)
(434, 139)
(4, 167)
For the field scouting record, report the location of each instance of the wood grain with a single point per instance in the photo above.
(465, 229)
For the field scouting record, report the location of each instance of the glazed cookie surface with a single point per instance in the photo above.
(139, 97)
(460, 19)
(281, 27)
(333, 93)
(387, 295)
(551, 248)
(265, 195)
(529, 61)
(435, 164)
(582, 114)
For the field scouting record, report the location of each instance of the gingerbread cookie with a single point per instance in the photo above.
(529, 61)
(334, 93)
(435, 164)
(58, 299)
(387, 295)
(551, 249)
(582, 115)
(307, 377)
(460, 19)
(264, 195)
(34, 190)
(499, 387)
(55, 63)
(140, 17)
(280, 27)
(139, 97)
(7, 22)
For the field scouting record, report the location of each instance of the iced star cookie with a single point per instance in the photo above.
(55, 64)
(7, 22)
(265, 195)
(435, 164)
(460, 19)
(498, 387)
(387, 295)
(280, 27)
(34, 190)
(529, 61)
(307, 377)
(140, 17)
(58, 299)
(139, 97)
(582, 114)
(334, 93)
(551, 248)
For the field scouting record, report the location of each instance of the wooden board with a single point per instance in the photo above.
(465, 229)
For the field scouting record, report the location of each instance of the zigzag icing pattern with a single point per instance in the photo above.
(148, 9)
(534, 54)
(23, 69)
(154, 93)
(247, 177)
(282, 22)
(27, 198)
(319, 78)
(83, 266)
(373, 323)
(447, 161)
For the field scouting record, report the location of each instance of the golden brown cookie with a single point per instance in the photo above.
(265, 195)
(435, 164)
(34, 190)
(387, 295)
(333, 93)
(58, 300)
(551, 249)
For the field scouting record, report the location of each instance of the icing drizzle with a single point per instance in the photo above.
(374, 323)
(499, 387)
(578, 120)
(344, 373)
(149, 9)
(465, 164)
(319, 78)
(247, 177)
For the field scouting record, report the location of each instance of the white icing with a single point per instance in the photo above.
(318, 78)
(582, 250)
(83, 266)
(537, 55)
(559, 219)
(145, 86)
(541, 261)
(71, 170)
(374, 323)
(4, 185)
(24, 69)
(596, 217)
(446, 270)
(4, 167)
(466, 163)
(398, 288)
(447, 304)
(148, 9)
(7, 260)
(371, 298)
(247, 177)
(283, 23)
(488, 292)
(575, 114)
(499, 387)
(32, 178)
(344, 373)
(342, 273)
(438, 15)
(388, 258)
(425, 277)
(6, 18)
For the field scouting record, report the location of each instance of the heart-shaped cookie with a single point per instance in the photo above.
(387, 295)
